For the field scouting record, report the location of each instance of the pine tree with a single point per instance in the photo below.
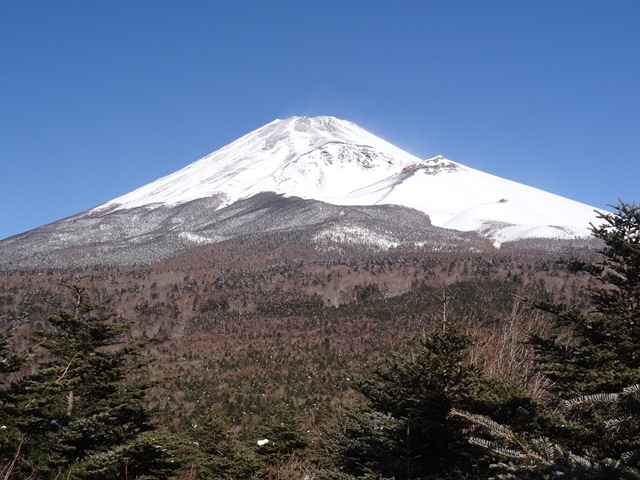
(593, 362)
(10, 359)
(595, 375)
(405, 429)
(524, 456)
(11, 439)
(281, 437)
(81, 414)
(210, 451)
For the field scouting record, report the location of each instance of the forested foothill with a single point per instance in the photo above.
(231, 362)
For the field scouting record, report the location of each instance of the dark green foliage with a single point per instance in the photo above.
(507, 402)
(524, 456)
(593, 363)
(80, 414)
(404, 431)
(602, 357)
(10, 360)
(205, 450)
(11, 439)
(285, 437)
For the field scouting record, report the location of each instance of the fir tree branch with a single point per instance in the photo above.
(64, 373)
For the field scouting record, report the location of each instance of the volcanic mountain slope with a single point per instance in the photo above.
(331, 182)
(142, 236)
(337, 162)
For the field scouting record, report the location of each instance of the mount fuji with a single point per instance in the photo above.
(323, 176)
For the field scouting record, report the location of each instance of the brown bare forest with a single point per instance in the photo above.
(251, 337)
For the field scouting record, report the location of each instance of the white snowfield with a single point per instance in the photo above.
(335, 161)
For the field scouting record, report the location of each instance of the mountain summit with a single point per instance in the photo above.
(337, 162)
(319, 158)
(325, 182)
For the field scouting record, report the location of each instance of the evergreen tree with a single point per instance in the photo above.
(404, 431)
(281, 443)
(593, 362)
(209, 451)
(596, 374)
(11, 439)
(281, 434)
(10, 359)
(80, 414)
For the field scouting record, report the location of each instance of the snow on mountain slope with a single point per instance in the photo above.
(462, 198)
(335, 161)
(300, 156)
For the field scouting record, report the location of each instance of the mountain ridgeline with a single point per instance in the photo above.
(322, 183)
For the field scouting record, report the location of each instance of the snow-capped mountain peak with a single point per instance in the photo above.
(336, 161)
(323, 181)
(310, 157)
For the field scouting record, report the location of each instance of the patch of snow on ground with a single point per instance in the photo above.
(194, 238)
(358, 236)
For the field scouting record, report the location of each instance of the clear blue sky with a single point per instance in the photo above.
(100, 97)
